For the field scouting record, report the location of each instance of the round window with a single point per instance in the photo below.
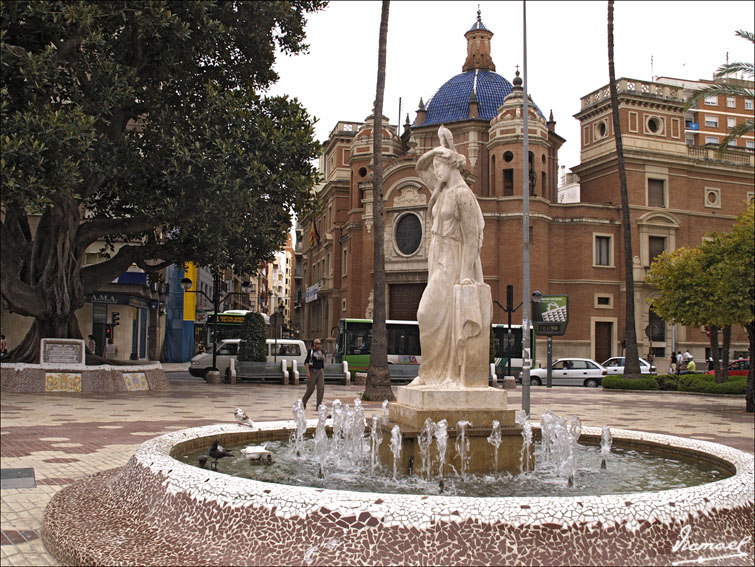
(408, 234)
(654, 125)
(602, 129)
(508, 156)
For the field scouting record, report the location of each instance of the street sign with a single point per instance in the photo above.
(550, 315)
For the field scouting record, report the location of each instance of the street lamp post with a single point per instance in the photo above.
(186, 284)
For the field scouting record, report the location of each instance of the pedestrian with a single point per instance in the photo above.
(315, 364)
(679, 361)
(711, 365)
(672, 363)
(91, 344)
(3, 347)
(691, 365)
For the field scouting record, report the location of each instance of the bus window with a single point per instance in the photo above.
(359, 338)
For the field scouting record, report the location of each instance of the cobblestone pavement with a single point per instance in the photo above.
(64, 437)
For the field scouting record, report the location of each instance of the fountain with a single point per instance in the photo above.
(158, 510)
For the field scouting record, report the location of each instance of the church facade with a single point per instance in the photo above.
(678, 193)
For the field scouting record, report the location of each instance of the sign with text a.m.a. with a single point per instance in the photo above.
(550, 315)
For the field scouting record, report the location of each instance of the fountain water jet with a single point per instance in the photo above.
(395, 447)
(605, 445)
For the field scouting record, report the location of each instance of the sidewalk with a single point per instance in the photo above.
(65, 437)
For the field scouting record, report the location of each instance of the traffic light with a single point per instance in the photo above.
(509, 298)
(114, 316)
(108, 331)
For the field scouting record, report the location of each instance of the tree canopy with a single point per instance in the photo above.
(143, 125)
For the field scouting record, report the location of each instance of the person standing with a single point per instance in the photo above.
(3, 347)
(679, 361)
(672, 363)
(91, 344)
(315, 364)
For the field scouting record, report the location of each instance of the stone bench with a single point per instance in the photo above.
(403, 373)
(263, 371)
(337, 373)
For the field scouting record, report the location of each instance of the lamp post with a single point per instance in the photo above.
(509, 309)
(277, 330)
(186, 284)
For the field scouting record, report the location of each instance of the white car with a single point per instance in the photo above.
(290, 349)
(615, 365)
(571, 372)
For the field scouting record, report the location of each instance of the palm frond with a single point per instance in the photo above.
(722, 89)
(733, 68)
(739, 130)
(745, 34)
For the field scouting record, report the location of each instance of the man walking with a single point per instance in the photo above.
(315, 363)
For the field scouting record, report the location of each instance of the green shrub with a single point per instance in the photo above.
(253, 346)
(621, 383)
(668, 382)
(706, 384)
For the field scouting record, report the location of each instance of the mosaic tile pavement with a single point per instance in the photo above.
(66, 437)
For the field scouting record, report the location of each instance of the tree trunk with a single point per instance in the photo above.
(632, 360)
(725, 353)
(749, 406)
(52, 271)
(378, 385)
(713, 330)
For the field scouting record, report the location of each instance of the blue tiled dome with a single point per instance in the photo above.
(451, 102)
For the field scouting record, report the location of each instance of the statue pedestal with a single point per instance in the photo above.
(479, 406)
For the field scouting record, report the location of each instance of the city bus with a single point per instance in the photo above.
(509, 346)
(354, 341)
(229, 327)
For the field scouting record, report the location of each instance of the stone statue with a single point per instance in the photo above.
(455, 310)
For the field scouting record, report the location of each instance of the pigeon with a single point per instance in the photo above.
(242, 418)
(218, 452)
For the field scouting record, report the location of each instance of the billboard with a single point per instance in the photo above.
(550, 315)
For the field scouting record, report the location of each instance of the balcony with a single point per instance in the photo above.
(709, 152)
(634, 86)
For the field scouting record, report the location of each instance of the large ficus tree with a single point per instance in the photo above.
(139, 127)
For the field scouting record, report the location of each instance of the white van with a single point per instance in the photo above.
(290, 349)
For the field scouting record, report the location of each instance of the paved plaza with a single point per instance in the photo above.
(65, 437)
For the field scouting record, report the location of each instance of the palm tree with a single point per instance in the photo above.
(378, 385)
(729, 87)
(632, 361)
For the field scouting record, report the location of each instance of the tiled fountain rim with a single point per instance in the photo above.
(18, 366)
(400, 509)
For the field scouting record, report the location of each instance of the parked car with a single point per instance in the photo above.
(739, 367)
(615, 365)
(570, 372)
(290, 349)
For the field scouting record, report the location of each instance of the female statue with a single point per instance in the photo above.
(455, 309)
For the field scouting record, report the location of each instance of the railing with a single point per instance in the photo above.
(710, 153)
(634, 86)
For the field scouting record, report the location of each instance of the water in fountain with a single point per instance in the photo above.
(385, 410)
(441, 440)
(546, 430)
(462, 446)
(424, 440)
(336, 442)
(321, 439)
(301, 426)
(526, 451)
(376, 438)
(606, 439)
(495, 440)
(395, 447)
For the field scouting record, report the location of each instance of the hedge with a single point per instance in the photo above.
(702, 383)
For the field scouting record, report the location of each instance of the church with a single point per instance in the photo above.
(678, 193)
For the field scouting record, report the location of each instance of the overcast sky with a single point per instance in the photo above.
(567, 55)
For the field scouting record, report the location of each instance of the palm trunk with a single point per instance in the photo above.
(632, 360)
(713, 329)
(749, 405)
(378, 385)
(725, 353)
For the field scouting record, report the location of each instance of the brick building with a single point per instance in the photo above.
(678, 193)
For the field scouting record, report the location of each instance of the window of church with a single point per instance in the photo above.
(408, 234)
(656, 193)
(508, 182)
(603, 250)
(656, 245)
(508, 156)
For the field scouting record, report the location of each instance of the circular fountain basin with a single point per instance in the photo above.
(157, 510)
